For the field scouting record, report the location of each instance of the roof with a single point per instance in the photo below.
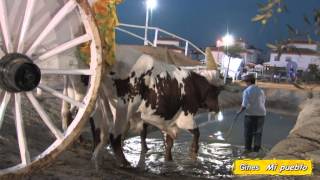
(172, 47)
(214, 48)
(221, 49)
(299, 51)
(168, 39)
(165, 55)
(296, 41)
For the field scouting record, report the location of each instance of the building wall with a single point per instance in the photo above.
(248, 57)
(303, 61)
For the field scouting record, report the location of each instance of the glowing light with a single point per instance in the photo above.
(220, 116)
(228, 40)
(151, 4)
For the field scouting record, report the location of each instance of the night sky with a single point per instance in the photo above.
(203, 21)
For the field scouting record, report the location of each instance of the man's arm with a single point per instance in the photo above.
(244, 103)
(240, 111)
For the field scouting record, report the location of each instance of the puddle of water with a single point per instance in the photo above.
(216, 153)
(214, 159)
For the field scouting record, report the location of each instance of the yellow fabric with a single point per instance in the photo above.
(106, 18)
(211, 63)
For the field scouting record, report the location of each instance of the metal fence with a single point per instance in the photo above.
(187, 44)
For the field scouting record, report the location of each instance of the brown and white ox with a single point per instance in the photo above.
(163, 95)
(141, 90)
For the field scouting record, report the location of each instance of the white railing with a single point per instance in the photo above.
(157, 30)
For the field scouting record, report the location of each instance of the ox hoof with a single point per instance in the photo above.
(194, 157)
(168, 158)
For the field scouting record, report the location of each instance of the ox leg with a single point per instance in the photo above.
(118, 130)
(168, 145)
(66, 115)
(106, 117)
(78, 88)
(195, 143)
(117, 148)
(95, 133)
(143, 137)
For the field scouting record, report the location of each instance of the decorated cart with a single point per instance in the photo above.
(42, 42)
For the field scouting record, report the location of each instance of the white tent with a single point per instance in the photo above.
(234, 66)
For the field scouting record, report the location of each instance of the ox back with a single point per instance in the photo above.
(163, 92)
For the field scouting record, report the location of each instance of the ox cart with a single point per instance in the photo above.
(39, 45)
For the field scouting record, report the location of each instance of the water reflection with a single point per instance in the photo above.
(218, 135)
(214, 159)
(220, 116)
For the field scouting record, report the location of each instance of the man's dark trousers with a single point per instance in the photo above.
(253, 126)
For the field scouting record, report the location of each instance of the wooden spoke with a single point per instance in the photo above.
(63, 12)
(14, 14)
(44, 116)
(61, 96)
(3, 107)
(25, 24)
(5, 27)
(22, 141)
(67, 71)
(63, 47)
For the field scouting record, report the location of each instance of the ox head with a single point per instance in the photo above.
(208, 90)
(210, 101)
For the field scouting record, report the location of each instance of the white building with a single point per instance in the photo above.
(303, 54)
(248, 54)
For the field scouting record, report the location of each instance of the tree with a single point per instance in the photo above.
(272, 8)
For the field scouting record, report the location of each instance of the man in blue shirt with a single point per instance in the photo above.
(253, 103)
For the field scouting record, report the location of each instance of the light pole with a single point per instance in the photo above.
(227, 40)
(218, 45)
(150, 5)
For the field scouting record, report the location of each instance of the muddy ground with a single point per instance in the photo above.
(75, 163)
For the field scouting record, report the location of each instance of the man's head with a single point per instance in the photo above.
(249, 79)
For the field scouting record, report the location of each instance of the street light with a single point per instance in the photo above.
(227, 40)
(150, 5)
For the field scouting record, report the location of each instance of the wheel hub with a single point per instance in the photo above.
(18, 73)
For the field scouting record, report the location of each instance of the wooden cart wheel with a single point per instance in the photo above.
(39, 44)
